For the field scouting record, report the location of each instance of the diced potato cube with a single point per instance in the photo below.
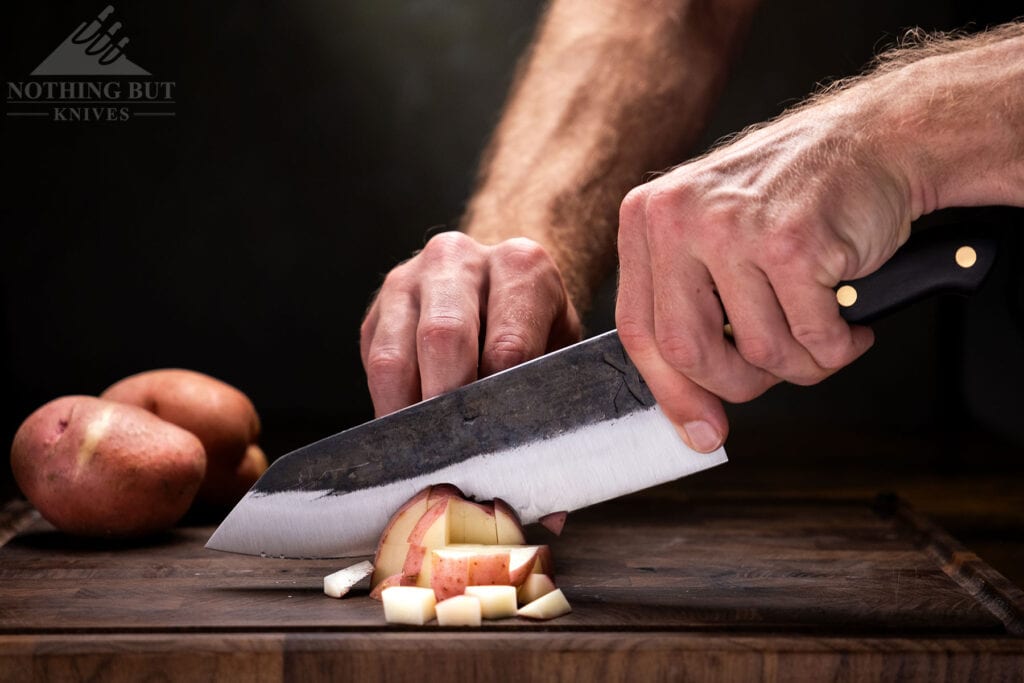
(408, 605)
(461, 610)
(496, 602)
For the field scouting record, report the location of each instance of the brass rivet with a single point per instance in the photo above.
(846, 296)
(966, 257)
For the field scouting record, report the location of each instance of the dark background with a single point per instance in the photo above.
(318, 143)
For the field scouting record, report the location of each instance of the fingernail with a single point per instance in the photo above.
(703, 436)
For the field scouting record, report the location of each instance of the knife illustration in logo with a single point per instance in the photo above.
(92, 49)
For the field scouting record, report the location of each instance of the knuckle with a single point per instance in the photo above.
(632, 333)
(763, 351)
(444, 331)
(447, 246)
(796, 248)
(838, 260)
(823, 344)
(651, 209)
(671, 216)
(509, 348)
(633, 206)
(682, 352)
(786, 249)
(523, 254)
(385, 365)
(662, 208)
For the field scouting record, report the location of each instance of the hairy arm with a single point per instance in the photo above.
(767, 225)
(609, 91)
(953, 110)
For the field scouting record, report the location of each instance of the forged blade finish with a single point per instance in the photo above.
(561, 432)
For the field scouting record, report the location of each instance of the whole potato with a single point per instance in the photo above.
(223, 487)
(223, 418)
(98, 468)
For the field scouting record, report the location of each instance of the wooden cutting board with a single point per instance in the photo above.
(731, 589)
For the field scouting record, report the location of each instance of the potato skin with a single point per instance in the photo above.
(224, 487)
(99, 468)
(223, 418)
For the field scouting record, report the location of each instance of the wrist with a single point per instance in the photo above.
(950, 125)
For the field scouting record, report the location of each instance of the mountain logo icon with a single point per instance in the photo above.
(93, 49)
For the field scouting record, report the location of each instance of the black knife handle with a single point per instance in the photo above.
(949, 259)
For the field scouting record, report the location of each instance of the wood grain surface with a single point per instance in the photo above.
(717, 589)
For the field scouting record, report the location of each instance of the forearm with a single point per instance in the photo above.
(609, 91)
(964, 124)
(948, 117)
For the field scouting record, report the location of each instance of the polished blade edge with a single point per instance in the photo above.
(567, 472)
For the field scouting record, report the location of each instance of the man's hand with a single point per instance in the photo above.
(764, 230)
(422, 335)
(766, 227)
(607, 92)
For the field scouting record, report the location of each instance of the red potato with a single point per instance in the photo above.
(469, 557)
(435, 517)
(472, 522)
(221, 487)
(390, 581)
(554, 522)
(440, 540)
(450, 574)
(455, 567)
(99, 468)
(441, 491)
(416, 568)
(509, 528)
(522, 560)
(448, 519)
(391, 557)
(394, 544)
(221, 416)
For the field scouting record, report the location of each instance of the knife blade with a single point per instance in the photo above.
(569, 429)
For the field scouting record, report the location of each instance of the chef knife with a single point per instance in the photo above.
(569, 429)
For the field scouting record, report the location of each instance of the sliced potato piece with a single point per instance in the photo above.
(454, 569)
(535, 586)
(496, 602)
(380, 587)
(340, 582)
(470, 522)
(408, 605)
(554, 522)
(509, 528)
(547, 606)
(461, 610)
